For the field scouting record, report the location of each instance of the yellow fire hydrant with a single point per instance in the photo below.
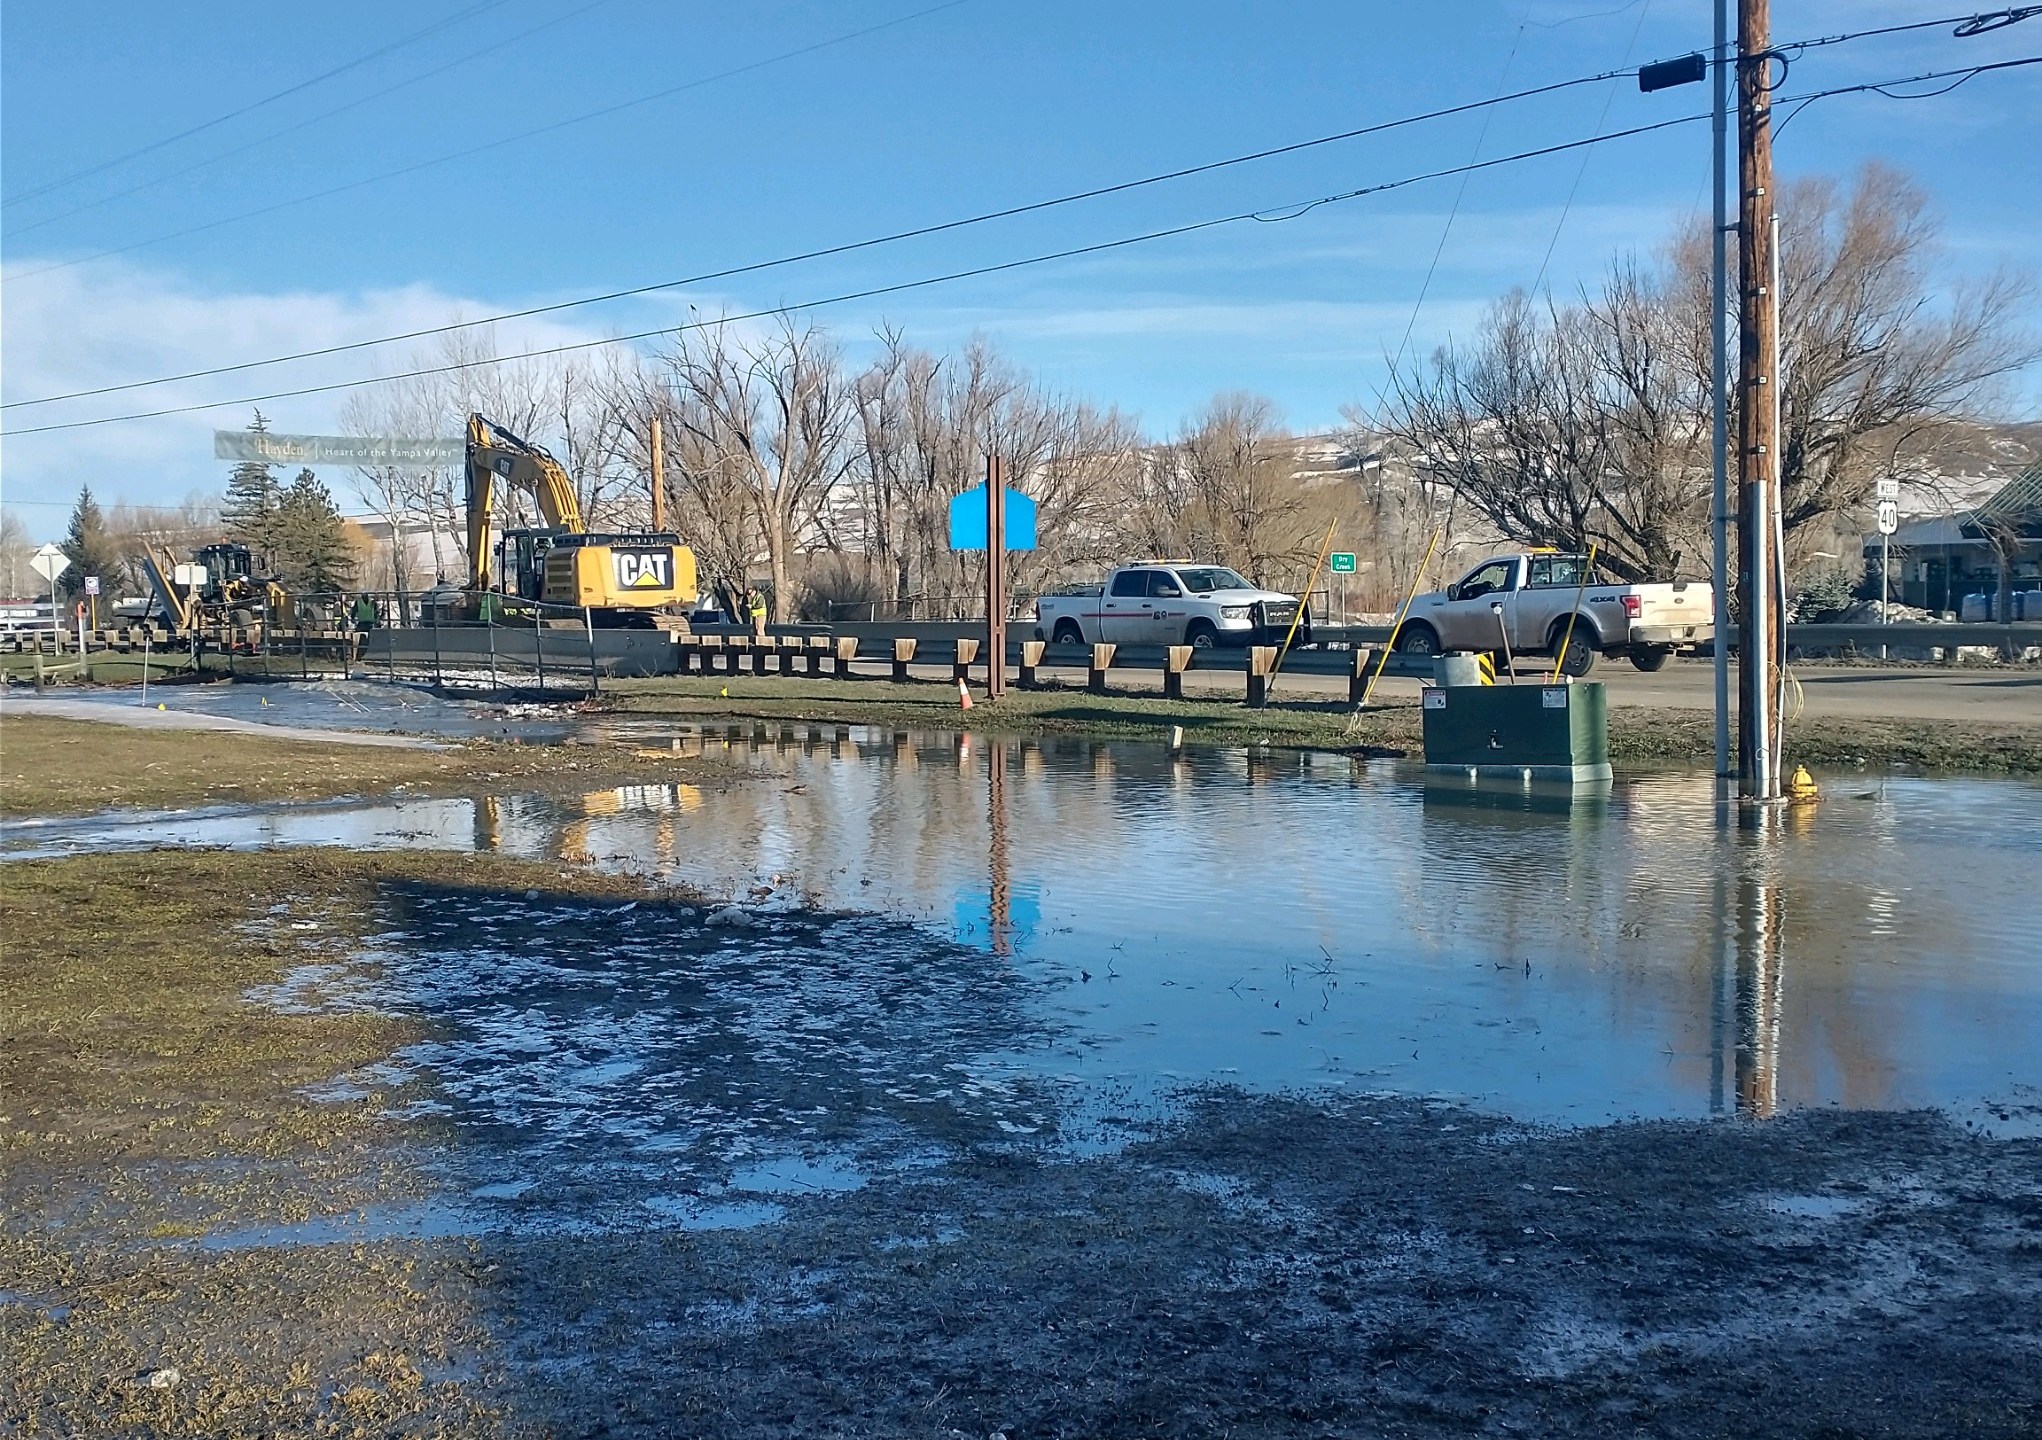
(1801, 785)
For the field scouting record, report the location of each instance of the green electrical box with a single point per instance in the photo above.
(1518, 732)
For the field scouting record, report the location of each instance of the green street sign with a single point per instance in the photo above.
(1343, 562)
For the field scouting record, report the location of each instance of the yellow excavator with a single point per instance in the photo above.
(626, 578)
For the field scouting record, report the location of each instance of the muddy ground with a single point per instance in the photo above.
(415, 1144)
(52, 766)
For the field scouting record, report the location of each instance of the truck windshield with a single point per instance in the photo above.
(1204, 579)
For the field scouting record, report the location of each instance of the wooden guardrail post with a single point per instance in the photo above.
(735, 648)
(1176, 660)
(903, 653)
(846, 652)
(687, 650)
(763, 653)
(1095, 673)
(1357, 673)
(812, 654)
(1031, 658)
(1261, 662)
(712, 648)
(967, 656)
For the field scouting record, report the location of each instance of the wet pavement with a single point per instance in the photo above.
(1273, 920)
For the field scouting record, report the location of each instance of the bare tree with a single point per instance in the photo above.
(176, 530)
(1558, 426)
(769, 417)
(15, 552)
(1238, 467)
(926, 424)
(1566, 424)
(1877, 346)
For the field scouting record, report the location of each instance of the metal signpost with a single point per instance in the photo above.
(1888, 495)
(1889, 520)
(1343, 566)
(994, 519)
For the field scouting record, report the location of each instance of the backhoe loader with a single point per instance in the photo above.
(622, 578)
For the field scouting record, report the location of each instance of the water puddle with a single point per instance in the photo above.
(1090, 926)
(354, 705)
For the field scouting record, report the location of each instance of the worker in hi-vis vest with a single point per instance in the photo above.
(755, 603)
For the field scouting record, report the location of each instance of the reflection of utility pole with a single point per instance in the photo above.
(1758, 413)
(999, 883)
(1760, 951)
(996, 577)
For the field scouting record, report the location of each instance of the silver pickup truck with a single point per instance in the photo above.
(1167, 603)
(1529, 598)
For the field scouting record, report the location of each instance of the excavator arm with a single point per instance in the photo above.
(495, 454)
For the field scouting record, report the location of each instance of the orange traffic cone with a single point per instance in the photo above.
(963, 696)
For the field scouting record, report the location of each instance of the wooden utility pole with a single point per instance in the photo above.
(658, 478)
(1758, 415)
(996, 577)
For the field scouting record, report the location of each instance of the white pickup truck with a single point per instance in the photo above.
(1168, 603)
(1530, 598)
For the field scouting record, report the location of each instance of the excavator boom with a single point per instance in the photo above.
(495, 454)
(628, 575)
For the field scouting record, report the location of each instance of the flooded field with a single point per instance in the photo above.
(1288, 919)
(958, 1086)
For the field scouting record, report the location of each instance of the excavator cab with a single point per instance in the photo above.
(522, 562)
(631, 578)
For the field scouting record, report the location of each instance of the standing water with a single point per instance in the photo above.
(1286, 920)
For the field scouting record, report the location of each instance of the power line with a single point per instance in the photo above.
(1481, 138)
(826, 252)
(17, 231)
(456, 18)
(497, 144)
(1991, 20)
(849, 247)
(1266, 214)
(1581, 171)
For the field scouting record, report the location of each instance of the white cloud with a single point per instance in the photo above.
(106, 323)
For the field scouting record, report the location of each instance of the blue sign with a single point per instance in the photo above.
(968, 520)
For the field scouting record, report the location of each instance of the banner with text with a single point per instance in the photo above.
(371, 451)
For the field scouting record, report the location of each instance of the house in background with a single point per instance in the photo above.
(1993, 549)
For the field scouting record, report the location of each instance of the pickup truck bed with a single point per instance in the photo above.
(1528, 602)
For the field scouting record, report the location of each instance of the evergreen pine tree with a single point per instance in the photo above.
(250, 512)
(312, 555)
(90, 549)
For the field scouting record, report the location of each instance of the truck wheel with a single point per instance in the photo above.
(1068, 633)
(1580, 656)
(1201, 635)
(1651, 660)
(1420, 639)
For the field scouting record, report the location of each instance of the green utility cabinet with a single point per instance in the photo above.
(1518, 732)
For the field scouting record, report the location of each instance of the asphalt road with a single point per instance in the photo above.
(1988, 696)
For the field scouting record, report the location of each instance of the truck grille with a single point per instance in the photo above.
(1278, 612)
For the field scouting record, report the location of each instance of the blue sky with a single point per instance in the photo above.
(979, 104)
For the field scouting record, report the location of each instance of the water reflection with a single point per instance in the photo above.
(1280, 918)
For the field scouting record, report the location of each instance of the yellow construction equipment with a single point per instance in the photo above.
(220, 586)
(619, 578)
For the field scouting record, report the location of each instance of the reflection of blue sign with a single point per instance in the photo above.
(973, 914)
(968, 520)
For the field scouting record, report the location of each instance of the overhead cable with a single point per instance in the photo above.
(456, 18)
(1264, 214)
(830, 251)
(473, 150)
(601, 112)
(15, 232)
